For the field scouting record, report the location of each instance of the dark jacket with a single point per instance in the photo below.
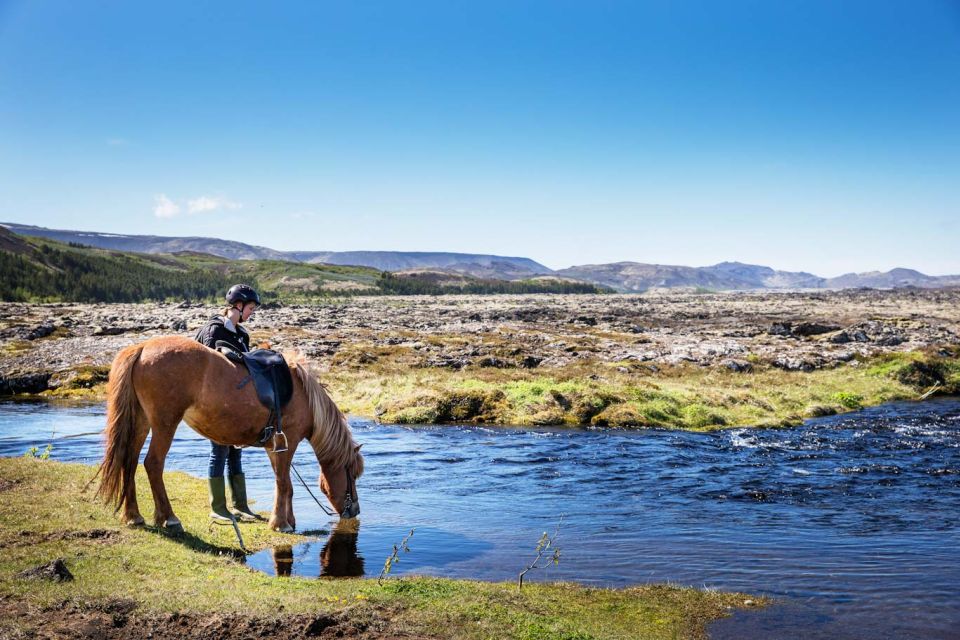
(214, 331)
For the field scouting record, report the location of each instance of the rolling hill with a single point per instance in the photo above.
(627, 277)
(40, 269)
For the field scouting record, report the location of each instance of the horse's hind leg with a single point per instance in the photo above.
(163, 430)
(131, 511)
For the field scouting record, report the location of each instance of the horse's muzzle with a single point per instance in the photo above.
(351, 510)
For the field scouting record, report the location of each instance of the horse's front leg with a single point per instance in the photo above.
(282, 518)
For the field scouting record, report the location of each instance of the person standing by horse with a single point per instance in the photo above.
(227, 328)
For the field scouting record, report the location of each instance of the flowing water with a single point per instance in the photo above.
(850, 522)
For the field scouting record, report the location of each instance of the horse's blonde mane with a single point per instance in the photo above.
(331, 438)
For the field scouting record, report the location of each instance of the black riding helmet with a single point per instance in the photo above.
(242, 293)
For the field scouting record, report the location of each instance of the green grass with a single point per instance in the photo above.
(46, 509)
(596, 394)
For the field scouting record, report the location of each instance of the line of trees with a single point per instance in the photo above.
(52, 274)
(413, 285)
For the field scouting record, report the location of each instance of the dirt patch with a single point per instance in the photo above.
(55, 571)
(119, 619)
(7, 484)
(99, 535)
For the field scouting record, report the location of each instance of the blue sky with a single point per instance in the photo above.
(816, 135)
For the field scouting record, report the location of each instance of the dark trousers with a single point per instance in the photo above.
(220, 454)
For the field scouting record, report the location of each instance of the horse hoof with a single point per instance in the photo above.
(135, 523)
(286, 529)
(173, 526)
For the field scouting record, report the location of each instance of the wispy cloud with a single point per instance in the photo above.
(211, 203)
(117, 142)
(164, 207)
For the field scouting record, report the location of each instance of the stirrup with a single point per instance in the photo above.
(276, 435)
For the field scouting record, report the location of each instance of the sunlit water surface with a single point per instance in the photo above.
(850, 521)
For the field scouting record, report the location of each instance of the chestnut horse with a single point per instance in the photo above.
(156, 384)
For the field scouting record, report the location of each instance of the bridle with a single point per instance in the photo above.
(347, 499)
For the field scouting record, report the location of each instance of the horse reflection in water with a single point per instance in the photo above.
(338, 558)
(283, 560)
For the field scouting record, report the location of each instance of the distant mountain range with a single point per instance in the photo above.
(478, 266)
(619, 276)
(633, 276)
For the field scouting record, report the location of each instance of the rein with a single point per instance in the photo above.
(319, 504)
(348, 501)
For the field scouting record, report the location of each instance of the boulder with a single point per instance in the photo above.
(108, 331)
(530, 362)
(495, 362)
(738, 366)
(780, 329)
(805, 329)
(27, 383)
(793, 364)
(42, 331)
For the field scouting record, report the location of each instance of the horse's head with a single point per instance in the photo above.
(332, 441)
(338, 482)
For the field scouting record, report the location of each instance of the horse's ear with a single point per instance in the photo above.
(357, 448)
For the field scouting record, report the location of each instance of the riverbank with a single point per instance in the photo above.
(138, 583)
(664, 360)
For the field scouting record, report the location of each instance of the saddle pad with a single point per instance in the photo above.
(269, 372)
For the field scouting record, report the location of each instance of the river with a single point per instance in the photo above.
(851, 522)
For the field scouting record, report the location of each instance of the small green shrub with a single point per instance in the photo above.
(848, 400)
(34, 452)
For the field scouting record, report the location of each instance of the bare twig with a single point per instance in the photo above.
(394, 557)
(544, 545)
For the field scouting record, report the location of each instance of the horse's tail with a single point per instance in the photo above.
(120, 458)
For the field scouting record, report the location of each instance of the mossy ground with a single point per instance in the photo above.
(636, 395)
(47, 511)
(378, 382)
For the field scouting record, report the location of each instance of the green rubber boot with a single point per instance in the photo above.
(238, 494)
(218, 502)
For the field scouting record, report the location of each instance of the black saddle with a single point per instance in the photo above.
(272, 380)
